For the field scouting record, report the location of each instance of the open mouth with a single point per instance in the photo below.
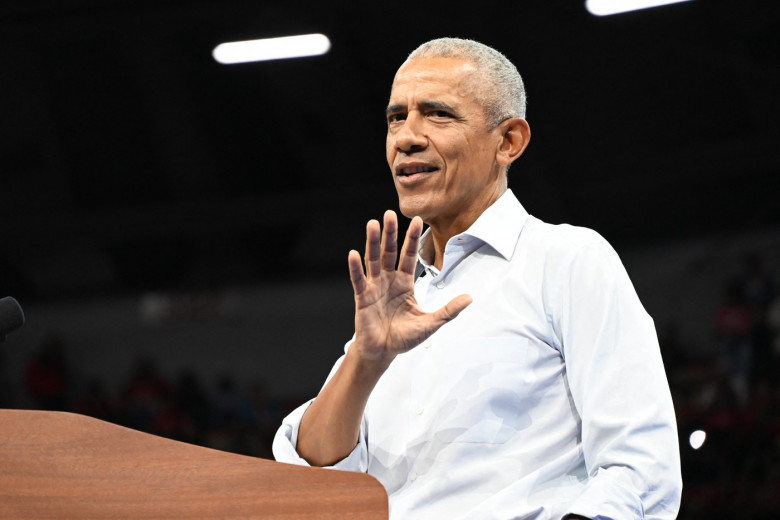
(412, 170)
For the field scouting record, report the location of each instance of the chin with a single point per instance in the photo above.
(410, 208)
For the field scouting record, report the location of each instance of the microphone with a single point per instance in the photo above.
(11, 316)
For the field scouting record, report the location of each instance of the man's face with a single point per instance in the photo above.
(439, 148)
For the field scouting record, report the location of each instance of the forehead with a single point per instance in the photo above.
(435, 76)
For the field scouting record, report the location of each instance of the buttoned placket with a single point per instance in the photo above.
(431, 293)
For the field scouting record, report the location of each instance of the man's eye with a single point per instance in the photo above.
(441, 113)
(394, 118)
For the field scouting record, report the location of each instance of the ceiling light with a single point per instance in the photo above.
(607, 7)
(697, 439)
(271, 49)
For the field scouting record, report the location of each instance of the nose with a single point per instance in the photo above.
(411, 136)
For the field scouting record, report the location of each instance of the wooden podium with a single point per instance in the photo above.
(67, 466)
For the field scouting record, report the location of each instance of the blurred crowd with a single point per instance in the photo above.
(220, 415)
(731, 466)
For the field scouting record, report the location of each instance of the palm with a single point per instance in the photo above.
(388, 320)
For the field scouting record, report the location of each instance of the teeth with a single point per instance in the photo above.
(416, 169)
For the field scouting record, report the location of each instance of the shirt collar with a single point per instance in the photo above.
(499, 226)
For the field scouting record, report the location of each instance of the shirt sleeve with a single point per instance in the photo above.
(286, 439)
(619, 388)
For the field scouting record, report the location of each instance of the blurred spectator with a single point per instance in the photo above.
(143, 396)
(96, 402)
(191, 398)
(266, 417)
(758, 288)
(231, 418)
(758, 291)
(46, 378)
(173, 422)
(229, 405)
(734, 327)
(773, 324)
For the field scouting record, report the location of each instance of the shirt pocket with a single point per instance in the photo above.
(481, 386)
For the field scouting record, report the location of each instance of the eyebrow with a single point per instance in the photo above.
(426, 105)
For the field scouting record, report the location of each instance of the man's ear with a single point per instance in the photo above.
(515, 136)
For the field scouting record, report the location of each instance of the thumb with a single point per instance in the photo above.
(451, 310)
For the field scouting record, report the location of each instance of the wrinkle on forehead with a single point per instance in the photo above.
(438, 70)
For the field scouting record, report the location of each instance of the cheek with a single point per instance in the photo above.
(456, 144)
(389, 152)
(454, 152)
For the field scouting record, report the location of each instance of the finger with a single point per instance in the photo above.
(356, 274)
(372, 249)
(408, 260)
(454, 307)
(389, 245)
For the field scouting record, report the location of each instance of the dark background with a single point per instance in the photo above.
(127, 148)
(132, 163)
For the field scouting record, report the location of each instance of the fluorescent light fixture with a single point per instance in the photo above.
(271, 49)
(607, 7)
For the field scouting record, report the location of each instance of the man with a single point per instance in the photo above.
(505, 367)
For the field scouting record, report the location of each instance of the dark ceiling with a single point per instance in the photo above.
(131, 161)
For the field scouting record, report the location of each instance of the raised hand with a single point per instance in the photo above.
(388, 320)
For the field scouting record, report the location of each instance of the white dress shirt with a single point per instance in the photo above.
(546, 396)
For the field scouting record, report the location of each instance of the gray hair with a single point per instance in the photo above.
(505, 95)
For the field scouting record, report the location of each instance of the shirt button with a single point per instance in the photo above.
(427, 344)
(440, 285)
(420, 410)
(413, 476)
